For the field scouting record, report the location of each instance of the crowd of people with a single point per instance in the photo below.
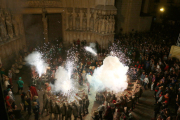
(149, 66)
(153, 69)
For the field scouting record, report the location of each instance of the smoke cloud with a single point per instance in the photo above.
(35, 59)
(111, 75)
(92, 49)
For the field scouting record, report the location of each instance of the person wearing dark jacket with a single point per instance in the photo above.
(68, 112)
(108, 114)
(75, 111)
(63, 111)
(96, 116)
(27, 104)
(36, 110)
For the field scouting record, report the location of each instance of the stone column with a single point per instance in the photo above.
(45, 25)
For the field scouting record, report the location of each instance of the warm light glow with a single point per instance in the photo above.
(162, 9)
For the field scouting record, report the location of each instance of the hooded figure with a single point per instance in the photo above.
(84, 105)
(63, 111)
(50, 108)
(80, 109)
(68, 112)
(87, 104)
(75, 111)
(45, 103)
(56, 111)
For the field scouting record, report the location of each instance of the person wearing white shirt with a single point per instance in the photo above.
(146, 81)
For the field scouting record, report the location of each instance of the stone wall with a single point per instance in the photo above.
(90, 20)
(128, 16)
(10, 50)
(12, 36)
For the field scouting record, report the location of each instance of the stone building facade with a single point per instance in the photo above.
(129, 17)
(90, 20)
(12, 38)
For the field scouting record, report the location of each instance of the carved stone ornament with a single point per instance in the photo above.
(70, 20)
(16, 26)
(9, 24)
(84, 24)
(91, 24)
(96, 24)
(77, 10)
(77, 21)
(3, 31)
(40, 3)
(70, 10)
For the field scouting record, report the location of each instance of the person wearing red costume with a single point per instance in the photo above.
(7, 102)
(33, 91)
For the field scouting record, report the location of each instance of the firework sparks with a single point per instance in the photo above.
(35, 59)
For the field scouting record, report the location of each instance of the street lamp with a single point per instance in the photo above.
(162, 9)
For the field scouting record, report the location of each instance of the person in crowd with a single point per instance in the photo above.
(96, 116)
(75, 110)
(16, 113)
(146, 81)
(27, 104)
(6, 82)
(36, 110)
(108, 114)
(33, 91)
(142, 78)
(20, 85)
(10, 77)
(10, 94)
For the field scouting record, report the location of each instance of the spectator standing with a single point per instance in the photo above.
(36, 110)
(20, 85)
(27, 104)
(142, 78)
(146, 81)
(10, 77)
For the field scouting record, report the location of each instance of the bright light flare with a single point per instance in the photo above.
(162, 9)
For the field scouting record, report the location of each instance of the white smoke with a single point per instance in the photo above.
(92, 49)
(35, 59)
(111, 75)
(63, 82)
